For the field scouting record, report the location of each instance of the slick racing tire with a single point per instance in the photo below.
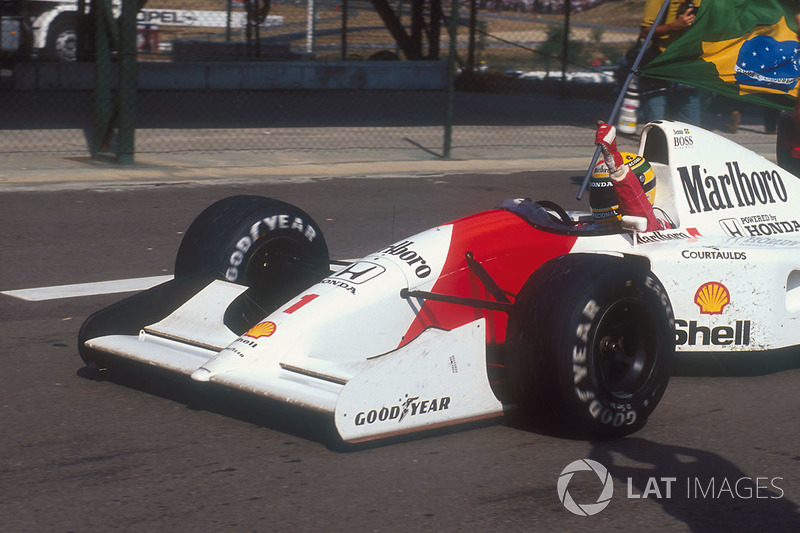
(272, 247)
(589, 346)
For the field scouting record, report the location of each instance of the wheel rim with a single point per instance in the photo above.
(625, 345)
(276, 262)
(66, 46)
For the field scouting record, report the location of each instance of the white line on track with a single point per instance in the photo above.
(58, 292)
(86, 289)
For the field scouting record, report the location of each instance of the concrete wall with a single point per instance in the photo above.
(206, 75)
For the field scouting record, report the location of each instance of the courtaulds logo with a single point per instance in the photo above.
(712, 297)
(586, 509)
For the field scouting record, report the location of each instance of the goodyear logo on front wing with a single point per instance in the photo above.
(712, 297)
(263, 329)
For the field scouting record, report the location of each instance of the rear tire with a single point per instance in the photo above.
(590, 344)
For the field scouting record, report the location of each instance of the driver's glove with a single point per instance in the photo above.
(606, 139)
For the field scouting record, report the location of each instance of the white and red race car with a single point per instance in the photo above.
(524, 305)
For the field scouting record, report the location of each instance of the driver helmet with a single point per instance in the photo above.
(602, 197)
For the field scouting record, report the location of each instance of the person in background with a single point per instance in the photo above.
(663, 100)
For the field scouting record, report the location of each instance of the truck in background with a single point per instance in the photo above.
(50, 28)
(39, 28)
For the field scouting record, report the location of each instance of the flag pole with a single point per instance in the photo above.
(622, 92)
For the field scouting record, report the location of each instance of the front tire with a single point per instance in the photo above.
(590, 344)
(272, 247)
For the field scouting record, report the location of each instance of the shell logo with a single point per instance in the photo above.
(263, 329)
(712, 297)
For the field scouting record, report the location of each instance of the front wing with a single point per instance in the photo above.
(436, 380)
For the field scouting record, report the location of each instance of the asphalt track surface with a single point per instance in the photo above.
(83, 451)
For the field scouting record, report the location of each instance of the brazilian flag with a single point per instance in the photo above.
(745, 49)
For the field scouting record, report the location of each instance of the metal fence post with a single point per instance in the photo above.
(103, 106)
(565, 48)
(110, 113)
(344, 30)
(228, 13)
(311, 23)
(451, 80)
(127, 82)
(473, 17)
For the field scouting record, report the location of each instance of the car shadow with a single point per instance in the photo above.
(709, 493)
(320, 428)
(735, 364)
(263, 412)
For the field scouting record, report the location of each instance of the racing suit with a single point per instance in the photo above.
(637, 213)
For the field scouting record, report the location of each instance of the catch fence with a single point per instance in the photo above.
(326, 75)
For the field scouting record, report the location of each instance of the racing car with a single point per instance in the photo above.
(525, 306)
